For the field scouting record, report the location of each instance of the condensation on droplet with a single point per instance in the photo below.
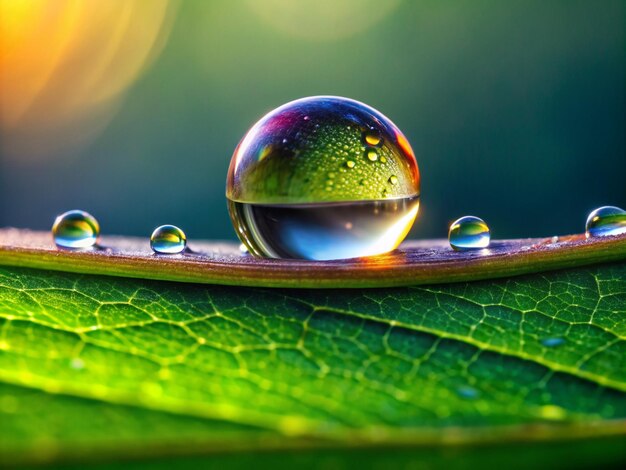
(75, 229)
(469, 233)
(372, 138)
(606, 221)
(168, 239)
(393, 179)
(552, 342)
(371, 155)
(350, 164)
(383, 159)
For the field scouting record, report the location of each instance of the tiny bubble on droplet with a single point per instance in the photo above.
(372, 138)
(393, 179)
(371, 155)
(350, 164)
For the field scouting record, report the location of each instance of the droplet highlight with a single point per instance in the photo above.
(469, 233)
(168, 239)
(326, 194)
(75, 229)
(606, 221)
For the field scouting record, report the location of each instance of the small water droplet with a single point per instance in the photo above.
(606, 221)
(371, 155)
(372, 138)
(383, 159)
(168, 239)
(75, 229)
(350, 164)
(306, 118)
(393, 179)
(243, 248)
(469, 233)
(552, 342)
(468, 392)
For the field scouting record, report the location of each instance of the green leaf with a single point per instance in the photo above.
(414, 263)
(94, 366)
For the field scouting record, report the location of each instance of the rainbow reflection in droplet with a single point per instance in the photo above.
(469, 233)
(75, 229)
(323, 178)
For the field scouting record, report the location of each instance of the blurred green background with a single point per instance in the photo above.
(516, 111)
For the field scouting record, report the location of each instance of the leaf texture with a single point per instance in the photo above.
(531, 358)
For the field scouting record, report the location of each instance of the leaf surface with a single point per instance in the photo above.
(97, 365)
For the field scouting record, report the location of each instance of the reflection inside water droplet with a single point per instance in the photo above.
(325, 231)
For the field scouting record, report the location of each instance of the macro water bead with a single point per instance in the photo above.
(168, 239)
(469, 233)
(323, 178)
(75, 229)
(606, 220)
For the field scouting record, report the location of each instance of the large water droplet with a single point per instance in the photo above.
(605, 221)
(282, 204)
(468, 233)
(75, 229)
(168, 239)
